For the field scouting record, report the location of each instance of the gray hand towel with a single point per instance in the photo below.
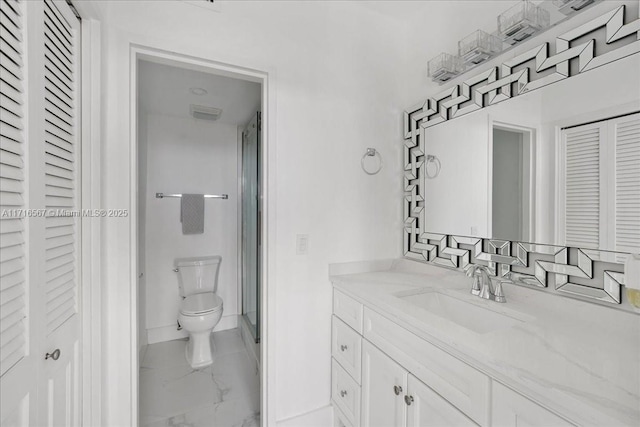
(192, 213)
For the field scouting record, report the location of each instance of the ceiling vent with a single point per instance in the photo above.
(205, 113)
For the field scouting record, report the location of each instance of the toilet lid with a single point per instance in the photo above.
(201, 303)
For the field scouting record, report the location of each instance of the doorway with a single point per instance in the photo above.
(511, 178)
(190, 125)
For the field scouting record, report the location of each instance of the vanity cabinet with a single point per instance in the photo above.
(383, 375)
(384, 384)
(392, 397)
(346, 352)
(346, 347)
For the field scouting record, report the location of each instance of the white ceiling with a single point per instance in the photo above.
(164, 89)
(401, 10)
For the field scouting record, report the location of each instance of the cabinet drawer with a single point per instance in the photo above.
(465, 387)
(348, 310)
(345, 393)
(510, 409)
(346, 347)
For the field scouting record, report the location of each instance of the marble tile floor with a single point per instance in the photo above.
(226, 394)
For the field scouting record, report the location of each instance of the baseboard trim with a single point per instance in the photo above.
(171, 332)
(321, 417)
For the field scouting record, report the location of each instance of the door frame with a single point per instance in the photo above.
(91, 294)
(530, 220)
(267, 380)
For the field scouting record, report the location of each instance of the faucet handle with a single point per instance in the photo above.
(475, 288)
(499, 293)
(474, 270)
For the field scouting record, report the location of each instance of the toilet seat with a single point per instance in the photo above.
(199, 304)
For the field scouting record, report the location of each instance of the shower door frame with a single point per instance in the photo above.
(243, 317)
(267, 159)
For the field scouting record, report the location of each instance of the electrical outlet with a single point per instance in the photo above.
(302, 244)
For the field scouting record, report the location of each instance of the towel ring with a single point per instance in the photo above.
(432, 159)
(370, 153)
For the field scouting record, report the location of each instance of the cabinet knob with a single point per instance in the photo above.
(55, 355)
(408, 400)
(343, 393)
(397, 390)
(343, 347)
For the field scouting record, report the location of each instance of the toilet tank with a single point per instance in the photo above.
(198, 274)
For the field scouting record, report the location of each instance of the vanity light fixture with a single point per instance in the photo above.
(478, 46)
(521, 21)
(444, 67)
(198, 91)
(569, 7)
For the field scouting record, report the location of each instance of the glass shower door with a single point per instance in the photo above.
(251, 225)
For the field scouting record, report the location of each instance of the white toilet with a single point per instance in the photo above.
(201, 308)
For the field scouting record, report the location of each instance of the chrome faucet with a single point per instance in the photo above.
(482, 285)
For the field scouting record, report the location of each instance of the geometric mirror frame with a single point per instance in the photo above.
(592, 274)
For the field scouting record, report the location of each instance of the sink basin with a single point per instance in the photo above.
(466, 314)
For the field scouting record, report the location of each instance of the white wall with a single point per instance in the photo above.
(335, 75)
(185, 155)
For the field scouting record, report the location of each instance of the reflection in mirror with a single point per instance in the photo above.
(511, 183)
(559, 165)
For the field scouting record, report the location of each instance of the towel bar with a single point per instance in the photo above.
(206, 196)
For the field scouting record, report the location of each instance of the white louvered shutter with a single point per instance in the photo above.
(61, 172)
(626, 133)
(39, 248)
(13, 284)
(582, 154)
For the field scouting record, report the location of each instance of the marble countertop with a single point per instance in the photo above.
(579, 359)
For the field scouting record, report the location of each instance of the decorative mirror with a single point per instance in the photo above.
(544, 149)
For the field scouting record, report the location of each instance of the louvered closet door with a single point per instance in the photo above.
(582, 184)
(18, 302)
(61, 223)
(40, 253)
(625, 132)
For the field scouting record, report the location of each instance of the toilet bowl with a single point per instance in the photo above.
(199, 314)
(201, 309)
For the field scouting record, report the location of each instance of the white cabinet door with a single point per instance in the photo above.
(384, 385)
(509, 409)
(60, 174)
(428, 409)
(39, 251)
(19, 304)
